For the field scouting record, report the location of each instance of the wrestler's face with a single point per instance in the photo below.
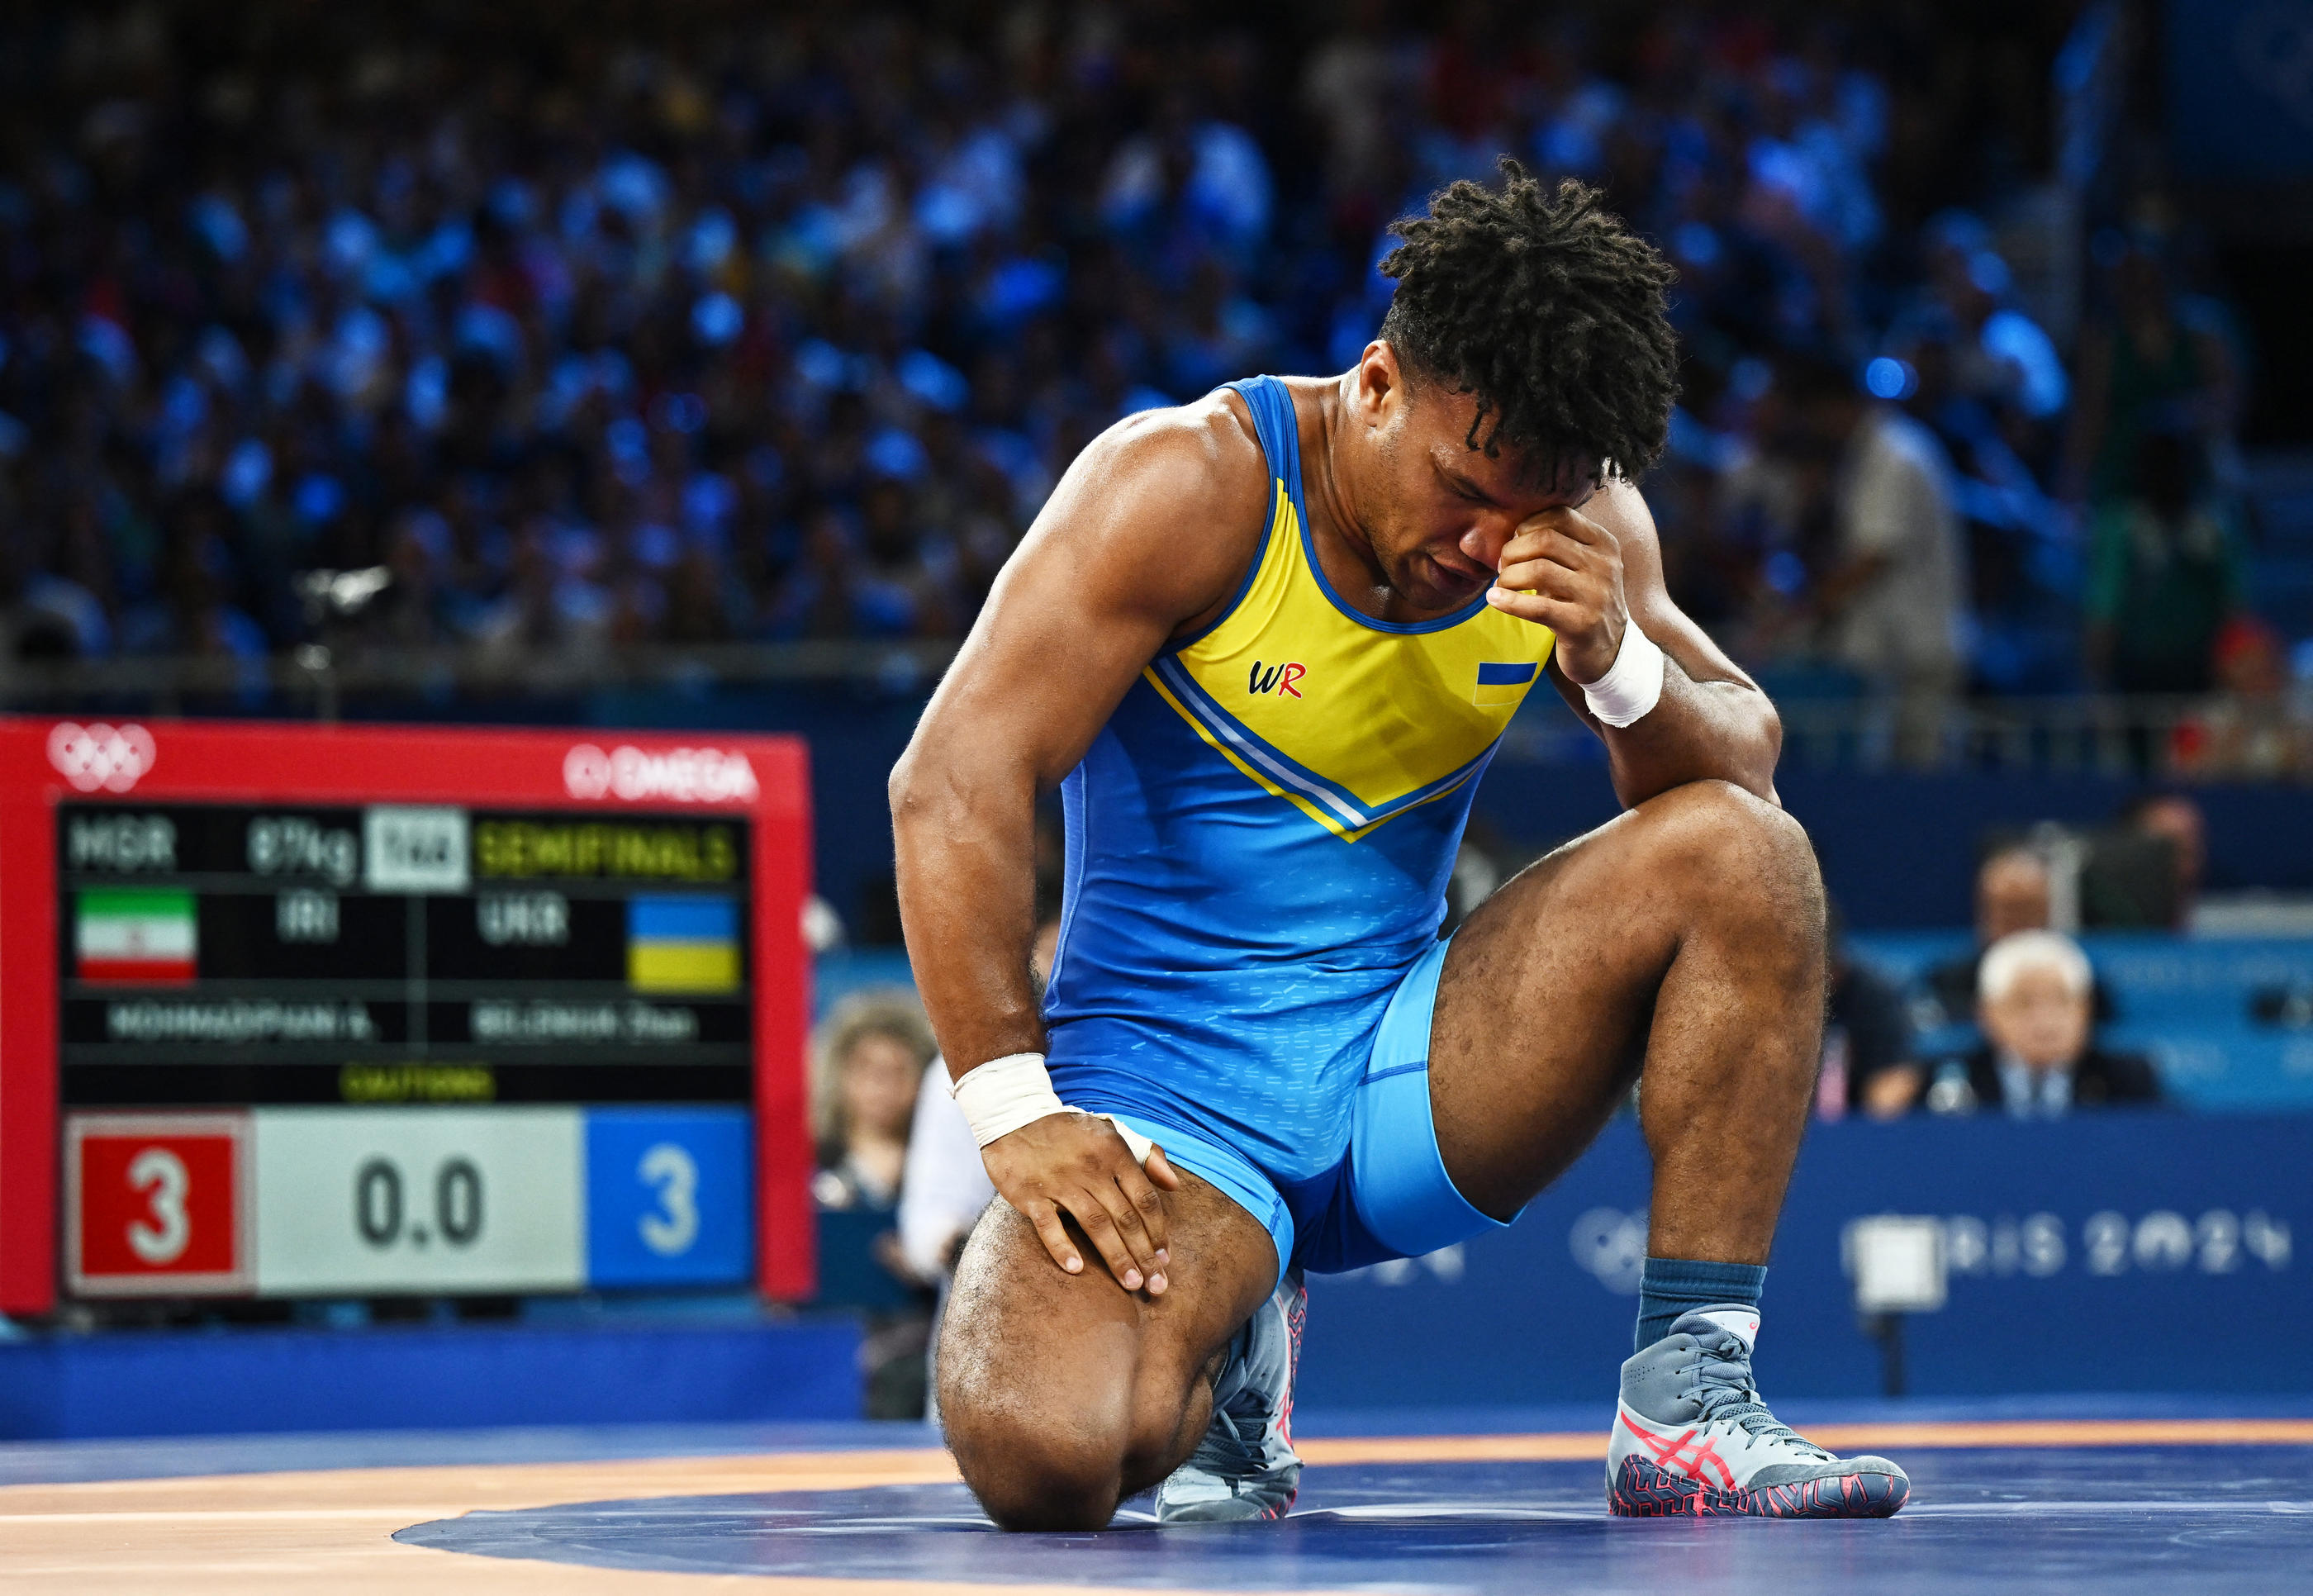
(1435, 511)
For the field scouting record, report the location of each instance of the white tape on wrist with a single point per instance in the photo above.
(1633, 685)
(1000, 1096)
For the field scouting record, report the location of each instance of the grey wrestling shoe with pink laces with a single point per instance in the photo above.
(1692, 1438)
(1245, 1467)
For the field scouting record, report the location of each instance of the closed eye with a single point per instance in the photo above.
(1464, 489)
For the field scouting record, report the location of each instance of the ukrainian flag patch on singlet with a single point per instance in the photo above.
(1503, 682)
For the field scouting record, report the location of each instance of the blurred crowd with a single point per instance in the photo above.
(733, 325)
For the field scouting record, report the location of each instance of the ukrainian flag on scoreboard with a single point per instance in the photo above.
(682, 944)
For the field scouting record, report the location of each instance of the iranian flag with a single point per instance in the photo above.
(136, 936)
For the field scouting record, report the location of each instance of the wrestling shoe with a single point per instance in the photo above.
(1245, 1467)
(1692, 1437)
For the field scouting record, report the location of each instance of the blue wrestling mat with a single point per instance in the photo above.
(2129, 1495)
(1997, 1505)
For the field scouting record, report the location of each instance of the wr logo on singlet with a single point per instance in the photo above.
(1277, 678)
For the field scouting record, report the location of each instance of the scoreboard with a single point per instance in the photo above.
(292, 1010)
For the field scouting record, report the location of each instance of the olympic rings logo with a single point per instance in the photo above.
(113, 757)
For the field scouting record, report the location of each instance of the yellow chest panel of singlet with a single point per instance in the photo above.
(1350, 720)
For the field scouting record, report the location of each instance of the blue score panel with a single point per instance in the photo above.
(670, 1197)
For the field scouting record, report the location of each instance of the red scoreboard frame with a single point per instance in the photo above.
(45, 761)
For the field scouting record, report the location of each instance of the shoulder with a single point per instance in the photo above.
(1201, 457)
(1160, 513)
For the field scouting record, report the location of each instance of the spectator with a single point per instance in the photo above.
(1894, 598)
(871, 1054)
(2256, 725)
(1868, 1066)
(2176, 819)
(872, 1051)
(2151, 364)
(2163, 572)
(2012, 895)
(2038, 1059)
(1986, 353)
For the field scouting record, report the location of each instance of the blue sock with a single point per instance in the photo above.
(1671, 1287)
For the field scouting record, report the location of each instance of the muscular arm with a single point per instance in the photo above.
(1150, 529)
(1151, 526)
(1582, 573)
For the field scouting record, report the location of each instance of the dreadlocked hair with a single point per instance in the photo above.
(1550, 309)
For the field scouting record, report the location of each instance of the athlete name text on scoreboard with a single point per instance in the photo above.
(217, 953)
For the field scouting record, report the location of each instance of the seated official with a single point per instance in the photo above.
(2012, 894)
(2035, 999)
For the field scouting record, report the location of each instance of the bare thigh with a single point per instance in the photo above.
(1063, 1394)
(1684, 938)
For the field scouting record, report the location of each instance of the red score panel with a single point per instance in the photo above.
(154, 1196)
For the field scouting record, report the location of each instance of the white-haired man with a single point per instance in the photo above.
(2034, 1001)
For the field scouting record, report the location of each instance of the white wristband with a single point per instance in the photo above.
(1000, 1096)
(1633, 685)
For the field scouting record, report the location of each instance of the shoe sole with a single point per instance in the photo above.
(1643, 1490)
(1239, 1511)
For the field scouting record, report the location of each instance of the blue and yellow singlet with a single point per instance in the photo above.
(1259, 842)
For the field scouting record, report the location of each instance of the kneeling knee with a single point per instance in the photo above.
(1043, 1472)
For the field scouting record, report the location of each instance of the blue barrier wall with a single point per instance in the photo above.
(2125, 1252)
(251, 1381)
